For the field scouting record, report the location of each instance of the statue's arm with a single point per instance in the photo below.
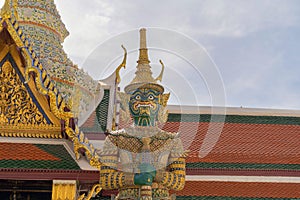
(174, 176)
(110, 177)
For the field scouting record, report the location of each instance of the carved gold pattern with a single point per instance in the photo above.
(16, 105)
(19, 115)
(94, 191)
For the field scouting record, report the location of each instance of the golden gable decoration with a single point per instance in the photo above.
(16, 106)
(18, 112)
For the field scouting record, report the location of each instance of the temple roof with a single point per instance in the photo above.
(224, 190)
(251, 139)
(256, 156)
(255, 142)
(38, 109)
(36, 156)
(42, 159)
(24, 105)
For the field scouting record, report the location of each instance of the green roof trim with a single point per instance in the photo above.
(66, 162)
(100, 123)
(102, 111)
(245, 119)
(200, 165)
(228, 198)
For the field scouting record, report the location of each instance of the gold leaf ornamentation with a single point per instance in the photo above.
(16, 105)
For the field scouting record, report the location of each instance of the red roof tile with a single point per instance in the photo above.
(242, 143)
(264, 140)
(90, 122)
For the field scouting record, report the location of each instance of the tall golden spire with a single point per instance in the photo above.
(143, 57)
(143, 75)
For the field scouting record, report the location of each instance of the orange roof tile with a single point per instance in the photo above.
(23, 151)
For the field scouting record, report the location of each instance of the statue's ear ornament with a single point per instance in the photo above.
(124, 99)
(162, 116)
(164, 99)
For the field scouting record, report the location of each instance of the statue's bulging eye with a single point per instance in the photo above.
(150, 97)
(138, 97)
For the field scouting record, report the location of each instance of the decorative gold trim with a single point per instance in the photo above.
(63, 190)
(4, 51)
(15, 6)
(94, 191)
(39, 131)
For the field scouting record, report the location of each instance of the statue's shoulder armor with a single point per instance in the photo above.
(124, 141)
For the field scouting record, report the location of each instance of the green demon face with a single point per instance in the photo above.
(144, 106)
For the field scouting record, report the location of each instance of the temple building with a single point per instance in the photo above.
(46, 153)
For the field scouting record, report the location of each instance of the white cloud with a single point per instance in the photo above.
(240, 35)
(94, 21)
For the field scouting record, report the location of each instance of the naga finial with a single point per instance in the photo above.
(123, 64)
(160, 76)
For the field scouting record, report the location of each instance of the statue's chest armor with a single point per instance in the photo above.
(132, 152)
(129, 161)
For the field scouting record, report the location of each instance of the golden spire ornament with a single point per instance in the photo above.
(143, 75)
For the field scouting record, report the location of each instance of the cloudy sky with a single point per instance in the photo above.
(255, 44)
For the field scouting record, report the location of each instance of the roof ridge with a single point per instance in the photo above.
(191, 109)
(242, 119)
